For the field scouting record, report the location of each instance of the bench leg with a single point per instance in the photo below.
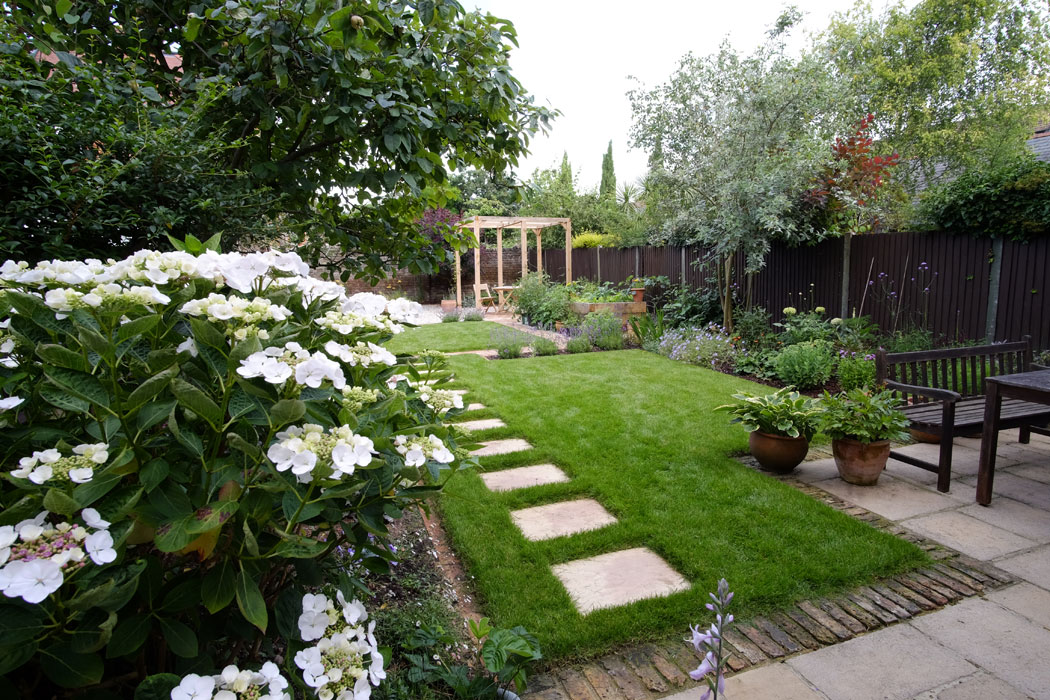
(1024, 434)
(944, 464)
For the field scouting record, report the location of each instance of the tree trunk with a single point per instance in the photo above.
(727, 304)
(844, 310)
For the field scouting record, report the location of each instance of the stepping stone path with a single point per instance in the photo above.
(605, 581)
(483, 424)
(618, 578)
(524, 477)
(501, 447)
(561, 519)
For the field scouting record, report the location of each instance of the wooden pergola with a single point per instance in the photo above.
(536, 224)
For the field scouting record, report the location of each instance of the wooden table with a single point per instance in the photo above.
(1028, 386)
(505, 294)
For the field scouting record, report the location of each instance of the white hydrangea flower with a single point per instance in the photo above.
(32, 580)
(194, 687)
(416, 450)
(44, 465)
(317, 369)
(99, 546)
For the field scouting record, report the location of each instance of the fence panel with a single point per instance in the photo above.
(1023, 308)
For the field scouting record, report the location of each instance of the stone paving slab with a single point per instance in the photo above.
(1035, 472)
(461, 392)
(561, 519)
(1033, 493)
(968, 534)
(979, 686)
(816, 470)
(1003, 642)
(891, 498)
(964, 459)
(1032, 566)
(777, 681)
(501, 447)
(618, 578)
(1017, 517)
(475, 406)
(524, 477)
(482, 424)
(860, 669)
(1027, 600)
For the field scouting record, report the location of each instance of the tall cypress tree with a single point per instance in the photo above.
(608, 186)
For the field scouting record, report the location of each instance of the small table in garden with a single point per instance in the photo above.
(506, 293)
(1027, 386)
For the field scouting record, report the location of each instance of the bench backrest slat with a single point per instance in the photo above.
(962, 370)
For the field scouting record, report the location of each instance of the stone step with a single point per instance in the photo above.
(618, 578)
(475, 406)
(561, 519)
(524, 477)
(482, 424)
(501, 447)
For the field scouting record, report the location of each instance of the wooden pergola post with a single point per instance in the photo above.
(459, 282)
(568, 251)
(477, 258)
(524, 249)
(539, 250)
(499, 257)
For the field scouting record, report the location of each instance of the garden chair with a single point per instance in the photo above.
(485, 298)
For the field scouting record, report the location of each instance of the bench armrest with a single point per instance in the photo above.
(930, 393)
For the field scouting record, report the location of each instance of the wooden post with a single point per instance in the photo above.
(524, 249)
(539, 250)
(459, 282)
(499, 257)
(568, 251)
(994, 278)
(477, 259)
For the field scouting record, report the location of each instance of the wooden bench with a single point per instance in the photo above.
(943, 394)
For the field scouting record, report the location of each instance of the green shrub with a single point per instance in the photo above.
(556, 306)
(510, 343)
(753, 326)
(580, 343)
(540, 302)
(856, 371)
(805, 365)
(590, 239)
(857, 333)
(865, 417)
(649, 329)
(595, 293)
(804, 327)
(604, 330)
(707, 347)
(757, 363)
(909, 341)
(473, 315)
(450, 317)
(690, 307)
(544, 346)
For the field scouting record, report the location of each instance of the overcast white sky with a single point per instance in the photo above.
(576, 56)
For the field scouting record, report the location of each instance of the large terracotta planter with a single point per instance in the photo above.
(860, 462)
(921, 436)
(639, 294)
(777, 453)
(448, 304)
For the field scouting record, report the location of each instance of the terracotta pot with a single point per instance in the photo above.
(777, 453)
(920, 436)
(448, 304)
(639, 293)
(860, 462)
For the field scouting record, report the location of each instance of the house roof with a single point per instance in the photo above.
(1040, 143)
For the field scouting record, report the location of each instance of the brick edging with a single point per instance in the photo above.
(654, 670)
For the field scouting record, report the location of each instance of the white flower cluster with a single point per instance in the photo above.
(364, 354)
(356, 397)
(10, 402)
(303, 450)
(276, 365)
(64, 299)
(7, 346)
(346, 322)
(335, 667)
(44, 465)
(217, 307)
(234, 684)
(35, 555)
(441, 400)
(417, 450)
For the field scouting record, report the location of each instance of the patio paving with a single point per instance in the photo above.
(990, 642)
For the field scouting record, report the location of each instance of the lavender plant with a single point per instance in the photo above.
(711, 347)
(712, 668)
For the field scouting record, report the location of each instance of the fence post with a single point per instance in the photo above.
(683, 267)
(991, 316)
(599, 254)
(636, 262)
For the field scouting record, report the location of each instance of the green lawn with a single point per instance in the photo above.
(636, 432)
(446, 337)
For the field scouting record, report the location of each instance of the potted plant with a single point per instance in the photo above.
(448, 304)
(638, 289)
(781, 425)
(861, 425)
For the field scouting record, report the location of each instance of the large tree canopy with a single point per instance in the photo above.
(344, 113)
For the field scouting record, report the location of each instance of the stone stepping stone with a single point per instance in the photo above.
(483, 424)
(524, 477)
(501, 447)
(475, 406)
(561, 519)
(618, 578)
(461, 392)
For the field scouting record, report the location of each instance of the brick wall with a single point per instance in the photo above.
(430, 289)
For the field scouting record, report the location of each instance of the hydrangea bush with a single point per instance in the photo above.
(189, 442)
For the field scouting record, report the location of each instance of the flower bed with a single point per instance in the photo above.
(195, 437)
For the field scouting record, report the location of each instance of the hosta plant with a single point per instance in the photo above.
(783, 412)
(189, 444)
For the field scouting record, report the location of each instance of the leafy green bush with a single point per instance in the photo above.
(759, 363)
(857, 333)
(604, 330)
(708, 347)
(595, 293)
(753, 326)
(804, 327)
(783, 412)
(193, 459)
(805, 365)
(909, 341)
(856, 371)
(649, 329)
(693, 308)
(590, 239)
(580, 343)
(544, 346)
(556, 306)
(540, 302)
(866, 417)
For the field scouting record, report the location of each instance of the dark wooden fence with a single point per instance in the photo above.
(940, 281)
